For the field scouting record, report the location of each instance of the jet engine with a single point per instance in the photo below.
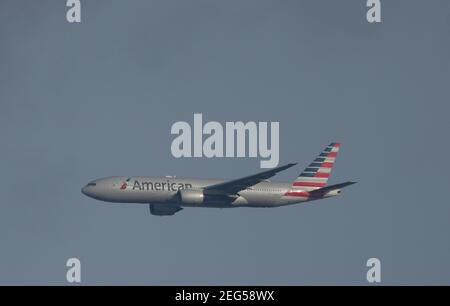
(191, 196)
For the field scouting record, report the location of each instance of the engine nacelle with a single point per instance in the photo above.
(191, 196)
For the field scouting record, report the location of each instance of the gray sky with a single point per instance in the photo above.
(82, 101)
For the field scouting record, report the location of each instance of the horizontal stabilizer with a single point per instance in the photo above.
(326, 189)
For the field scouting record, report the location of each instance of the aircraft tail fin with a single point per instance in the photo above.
(316, 175)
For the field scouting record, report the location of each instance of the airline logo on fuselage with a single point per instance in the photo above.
(159, 186)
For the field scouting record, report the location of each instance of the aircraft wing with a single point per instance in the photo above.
(234, 186)
(163, 209)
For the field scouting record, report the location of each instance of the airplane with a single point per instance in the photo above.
(168, 195)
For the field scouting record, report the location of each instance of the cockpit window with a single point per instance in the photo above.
(92, 184)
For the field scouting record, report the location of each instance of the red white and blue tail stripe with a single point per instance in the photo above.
(316, 175)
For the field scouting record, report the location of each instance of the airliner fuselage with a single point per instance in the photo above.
(170, 190)
(168, 195)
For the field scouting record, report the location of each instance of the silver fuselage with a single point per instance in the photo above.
(166, 190)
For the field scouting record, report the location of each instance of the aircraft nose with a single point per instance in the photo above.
(84, 190)
(89, 189)
(92, 190)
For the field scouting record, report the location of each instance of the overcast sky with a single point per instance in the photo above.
(82, 101)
